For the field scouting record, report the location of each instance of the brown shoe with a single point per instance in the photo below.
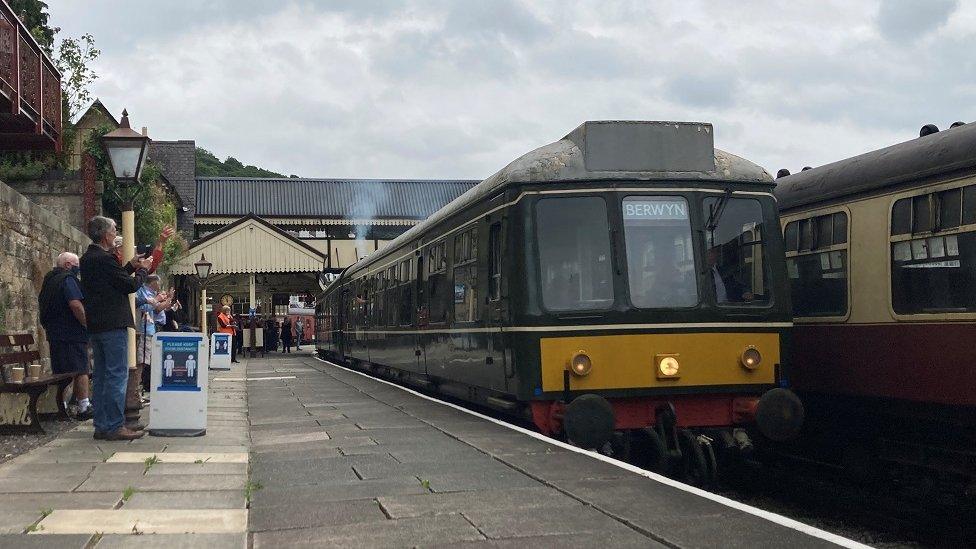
(124, 434)
(135, 426)
(98, 435)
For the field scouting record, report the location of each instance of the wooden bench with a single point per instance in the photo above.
(21, 354)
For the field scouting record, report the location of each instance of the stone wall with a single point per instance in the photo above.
(61, 193)
(31, 237)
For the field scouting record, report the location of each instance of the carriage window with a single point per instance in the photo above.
(950, 208)
(921, 214)
(574, 253)
(495, 262)
(969, 205)
(437, 293)
(734, 230)
(660, 253)
(791, 235)
(901, 217)
(818, 275)
(465, 276)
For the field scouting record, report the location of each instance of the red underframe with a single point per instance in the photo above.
(637, 413)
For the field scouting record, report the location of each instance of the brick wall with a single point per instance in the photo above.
(31, 237)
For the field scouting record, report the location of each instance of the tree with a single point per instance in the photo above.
(33, 13)
(209, 165)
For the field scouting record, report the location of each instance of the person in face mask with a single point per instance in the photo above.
(62, 311)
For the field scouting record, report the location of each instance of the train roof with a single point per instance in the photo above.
(935, 154)
(607, 150)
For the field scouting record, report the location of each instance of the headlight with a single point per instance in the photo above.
(667, 366)
(750, 358)
(580, 364)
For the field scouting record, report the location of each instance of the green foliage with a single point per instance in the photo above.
(152, 204)
(74, 60)
(149, 462)
(128, 493)
(249, 489)
(35, 17)
(24, 166)
(209, 165)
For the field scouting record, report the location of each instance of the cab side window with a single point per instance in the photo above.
(816, 261)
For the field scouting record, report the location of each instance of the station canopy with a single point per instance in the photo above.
(251, 245)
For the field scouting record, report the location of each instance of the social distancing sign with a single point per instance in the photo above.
(178, 384)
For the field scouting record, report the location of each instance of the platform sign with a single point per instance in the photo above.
(220, 345)
(178, 402)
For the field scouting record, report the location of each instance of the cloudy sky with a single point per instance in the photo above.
(457, 89)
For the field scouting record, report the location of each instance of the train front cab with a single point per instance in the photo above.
(654, 315)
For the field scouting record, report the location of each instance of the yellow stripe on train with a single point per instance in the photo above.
(634, 360)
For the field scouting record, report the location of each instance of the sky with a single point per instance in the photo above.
(458, 89)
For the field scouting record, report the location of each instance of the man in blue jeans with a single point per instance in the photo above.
(106, 286)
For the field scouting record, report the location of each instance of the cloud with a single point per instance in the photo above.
(908, 20)
(448, 89)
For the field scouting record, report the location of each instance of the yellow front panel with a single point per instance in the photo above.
(628, 361)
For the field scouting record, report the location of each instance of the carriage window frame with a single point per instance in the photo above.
(942, 236)
(495, 261)
(465, 259)
(813, 244)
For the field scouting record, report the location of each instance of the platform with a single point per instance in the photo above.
(300, 452)
(347, 460)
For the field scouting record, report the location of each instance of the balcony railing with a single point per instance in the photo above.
(30, 89)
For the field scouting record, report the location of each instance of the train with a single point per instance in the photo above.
(881, 260)
(623, 288)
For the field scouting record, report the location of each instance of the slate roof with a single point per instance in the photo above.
(326, 198)
(177, 159)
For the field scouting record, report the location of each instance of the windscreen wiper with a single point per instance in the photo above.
(717, 210)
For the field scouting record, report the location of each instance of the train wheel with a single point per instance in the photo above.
(695, 469)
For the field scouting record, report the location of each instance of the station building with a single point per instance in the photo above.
(274, 241)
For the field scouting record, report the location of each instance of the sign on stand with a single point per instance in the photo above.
(178, 392)
(220, 348)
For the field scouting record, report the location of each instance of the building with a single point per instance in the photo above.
(270, 240)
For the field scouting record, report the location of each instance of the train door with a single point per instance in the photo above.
(420, 312)
(341, 325)
(496, 302)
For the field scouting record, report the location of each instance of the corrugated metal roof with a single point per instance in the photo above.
(335, 198)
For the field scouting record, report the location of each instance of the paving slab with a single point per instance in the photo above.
(222, 499)
(164, 483)
(508, 523)
(50, 500)
(303, 496)
(23, 541)
(616, 539)
(173, 541)
(399, 533)
(156, 521)
(204, 468)
(179, 457)
(484, 501)
(282, 517)
(17, 521)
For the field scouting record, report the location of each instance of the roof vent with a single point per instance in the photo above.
(805, 168)
(928, 129)
(783, 172)
(957, 124)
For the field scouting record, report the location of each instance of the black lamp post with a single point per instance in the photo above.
(203, 272)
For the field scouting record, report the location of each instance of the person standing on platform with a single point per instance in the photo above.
(150, 304)
(62, 312)
(286, 335)
(106, 286)
(298, 333)
(226, 325)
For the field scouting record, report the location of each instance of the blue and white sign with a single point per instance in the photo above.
(178, 384)
(655, 209)
(220, 345)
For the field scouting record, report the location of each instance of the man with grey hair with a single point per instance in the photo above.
(107, 286)
(62, 312)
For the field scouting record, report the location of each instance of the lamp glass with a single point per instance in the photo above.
(203, 269)
(124, 158)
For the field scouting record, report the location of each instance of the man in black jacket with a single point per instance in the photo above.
(62, 311)
(106, 286)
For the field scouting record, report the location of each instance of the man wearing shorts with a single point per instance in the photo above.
(63, 317)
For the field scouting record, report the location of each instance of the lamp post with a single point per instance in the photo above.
(203, 271)
(126, 150)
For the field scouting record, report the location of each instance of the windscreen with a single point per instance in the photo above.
(574, 253)
(660, 254)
